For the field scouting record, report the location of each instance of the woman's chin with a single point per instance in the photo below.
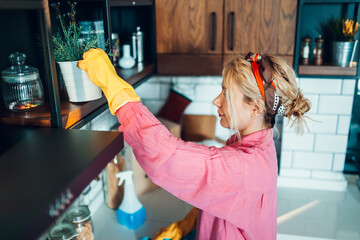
(224, 123)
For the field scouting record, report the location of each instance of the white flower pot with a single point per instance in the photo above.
(78, 85)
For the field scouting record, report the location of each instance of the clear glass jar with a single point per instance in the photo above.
(63, 231)
(81, 218)
(21, 85)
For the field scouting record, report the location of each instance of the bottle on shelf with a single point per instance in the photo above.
(305, 50)
(126, 61)
(318, 50)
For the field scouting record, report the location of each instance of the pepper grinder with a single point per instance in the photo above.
(318, 50)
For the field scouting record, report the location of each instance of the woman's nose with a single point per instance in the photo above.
(216, 101)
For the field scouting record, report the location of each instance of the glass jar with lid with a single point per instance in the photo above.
(63, 231)
(80, 217)
(21, 85)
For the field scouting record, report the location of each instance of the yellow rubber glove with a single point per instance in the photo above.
(102, 73)
(178, 229)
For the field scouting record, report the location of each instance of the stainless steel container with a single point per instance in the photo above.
(134, 45)
(341, 53)
(140, 44)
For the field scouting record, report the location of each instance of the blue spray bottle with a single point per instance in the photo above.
(131, 212)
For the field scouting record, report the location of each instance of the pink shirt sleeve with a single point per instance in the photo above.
(195, 173)
(231, 183)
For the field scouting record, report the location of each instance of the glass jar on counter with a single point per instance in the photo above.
(80, 217)
(63, 231)
(21, 85)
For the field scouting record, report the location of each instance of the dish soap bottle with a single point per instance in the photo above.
(131, 212)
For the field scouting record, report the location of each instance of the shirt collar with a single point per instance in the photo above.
(252, 139)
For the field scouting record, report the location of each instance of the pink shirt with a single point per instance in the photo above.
(234, 186)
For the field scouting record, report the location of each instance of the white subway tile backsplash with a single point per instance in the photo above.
(329, 104)
(164, 91)
(184, 80)
(344, 125)
(348, 87)
(339, 162)
(154, 106)
(187, 89)
(287, 126)
(312, 160)
(159, 80)
(314, 100)
(297, 173)
(148, 91)
(330, 143)
(286, 159)
(293, 141)
(327, 175)
(207, 92)
(199, 108)
(322, 123)
(209, 80)
(220, 131)
(320, 86)
(103, 122)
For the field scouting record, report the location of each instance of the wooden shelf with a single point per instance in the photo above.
(326, 70)
(71, 113)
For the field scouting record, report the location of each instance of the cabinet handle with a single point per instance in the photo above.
(213, 30)
(232, 16)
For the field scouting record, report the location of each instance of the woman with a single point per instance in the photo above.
(234, 187)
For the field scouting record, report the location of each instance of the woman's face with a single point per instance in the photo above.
(244, 110)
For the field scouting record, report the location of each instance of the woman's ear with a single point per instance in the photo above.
(256, 110)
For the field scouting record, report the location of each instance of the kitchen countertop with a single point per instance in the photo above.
(161, 207)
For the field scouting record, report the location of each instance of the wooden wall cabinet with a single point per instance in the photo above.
(196, 37)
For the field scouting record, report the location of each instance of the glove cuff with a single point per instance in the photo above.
(122, 97)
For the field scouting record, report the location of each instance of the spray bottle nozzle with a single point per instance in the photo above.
(125, 175)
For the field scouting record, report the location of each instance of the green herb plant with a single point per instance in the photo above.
(69, 43)
(341, 29)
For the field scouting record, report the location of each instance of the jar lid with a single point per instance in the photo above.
(19, 72)
(78, 214)
(63, 231)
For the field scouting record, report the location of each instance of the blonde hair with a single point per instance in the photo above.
(238, 73)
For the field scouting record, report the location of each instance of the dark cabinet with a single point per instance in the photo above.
(196, 37)
(45, 161)
(27, 27)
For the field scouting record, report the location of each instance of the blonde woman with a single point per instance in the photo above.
(234, 187)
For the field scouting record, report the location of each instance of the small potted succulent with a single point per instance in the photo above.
(342, 33)
(69, 46)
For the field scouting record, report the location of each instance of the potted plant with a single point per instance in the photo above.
(342, 34)
(69, 46)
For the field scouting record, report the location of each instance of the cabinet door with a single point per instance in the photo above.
(189, 36)
(263, 26)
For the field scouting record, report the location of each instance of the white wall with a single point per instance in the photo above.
(316, 159)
